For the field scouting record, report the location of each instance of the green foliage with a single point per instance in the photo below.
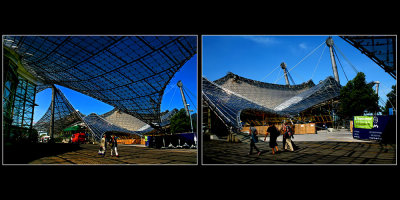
(357, 97)
(180, 122)
(391, 101)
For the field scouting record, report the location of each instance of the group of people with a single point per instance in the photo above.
(273, 132)
(112, 142)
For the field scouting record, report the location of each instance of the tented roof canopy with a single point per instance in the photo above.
(232, 94)
(127, 72)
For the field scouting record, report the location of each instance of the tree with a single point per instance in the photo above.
(391, 102)
(180, 122)
(357, 97)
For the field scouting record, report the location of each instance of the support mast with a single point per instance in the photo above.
(180, 85)
(283, 65)
(329, 42)
(53, 94)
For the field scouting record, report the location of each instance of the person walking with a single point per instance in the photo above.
(103, 145)
(273, 135)
(287, 137)
(253, 139)
(114, 146)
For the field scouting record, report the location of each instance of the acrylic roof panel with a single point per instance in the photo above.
(228, 104)
(131, 123)
(127, 72)
(99, 126)
(266, 94)
(64, 115)
(380, 49)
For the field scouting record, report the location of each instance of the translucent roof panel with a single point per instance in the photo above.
(227, 104)
(381, 49)
(127, 72)
(99, 126)
(64, 115)
(247, 94)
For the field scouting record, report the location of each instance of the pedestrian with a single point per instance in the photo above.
(288, 133)
(103, 145)
(273, 135)
(253, 139)
(114, 146)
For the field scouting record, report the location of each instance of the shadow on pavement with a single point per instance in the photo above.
(25, 153)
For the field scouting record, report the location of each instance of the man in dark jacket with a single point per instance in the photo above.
(114, 146)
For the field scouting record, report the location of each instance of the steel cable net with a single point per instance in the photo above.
(64, 115)
(119, 118)
(236, 94)
(99, 126)
(127, 72)
(381, 49)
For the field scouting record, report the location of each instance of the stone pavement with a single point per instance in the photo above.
(321, 148)
(129, 154)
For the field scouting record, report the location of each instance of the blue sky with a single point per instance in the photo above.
(85, 104)
(257, 57)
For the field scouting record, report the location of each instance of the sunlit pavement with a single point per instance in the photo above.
(87, 154)
(321, 148)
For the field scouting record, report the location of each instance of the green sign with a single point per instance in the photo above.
(364, 122)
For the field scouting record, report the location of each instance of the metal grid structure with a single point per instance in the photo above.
(99, 126)
(127, 72)
(381, 49)
(64, 114)
(246, 94)
(119, 118)
(256, 90)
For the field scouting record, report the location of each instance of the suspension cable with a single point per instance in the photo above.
(171, 98)
(341, 53)
(318, 62)
(290, 76)
(270, 73)
(184, 90)
(304, 58)
(337, 57)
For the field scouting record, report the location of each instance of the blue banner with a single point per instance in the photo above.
(375, 133)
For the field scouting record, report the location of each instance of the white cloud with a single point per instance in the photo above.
(265, 40)
(303, 45)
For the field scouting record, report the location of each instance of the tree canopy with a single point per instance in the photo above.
(357, 97)
(180, 122)
(391, 102)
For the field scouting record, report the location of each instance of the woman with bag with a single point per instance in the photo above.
(253, 139)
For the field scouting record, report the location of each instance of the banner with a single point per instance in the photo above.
(377, 126)
(365, 122)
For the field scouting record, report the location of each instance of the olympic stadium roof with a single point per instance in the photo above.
(64, 114)
(127, 72)
(380, 49)
(113, 121)
(232, 94)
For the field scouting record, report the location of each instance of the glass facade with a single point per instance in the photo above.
(24, 104)
(10, 82)
(18, 101)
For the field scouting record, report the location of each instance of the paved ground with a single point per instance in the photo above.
(322, 148)
(86, 154)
